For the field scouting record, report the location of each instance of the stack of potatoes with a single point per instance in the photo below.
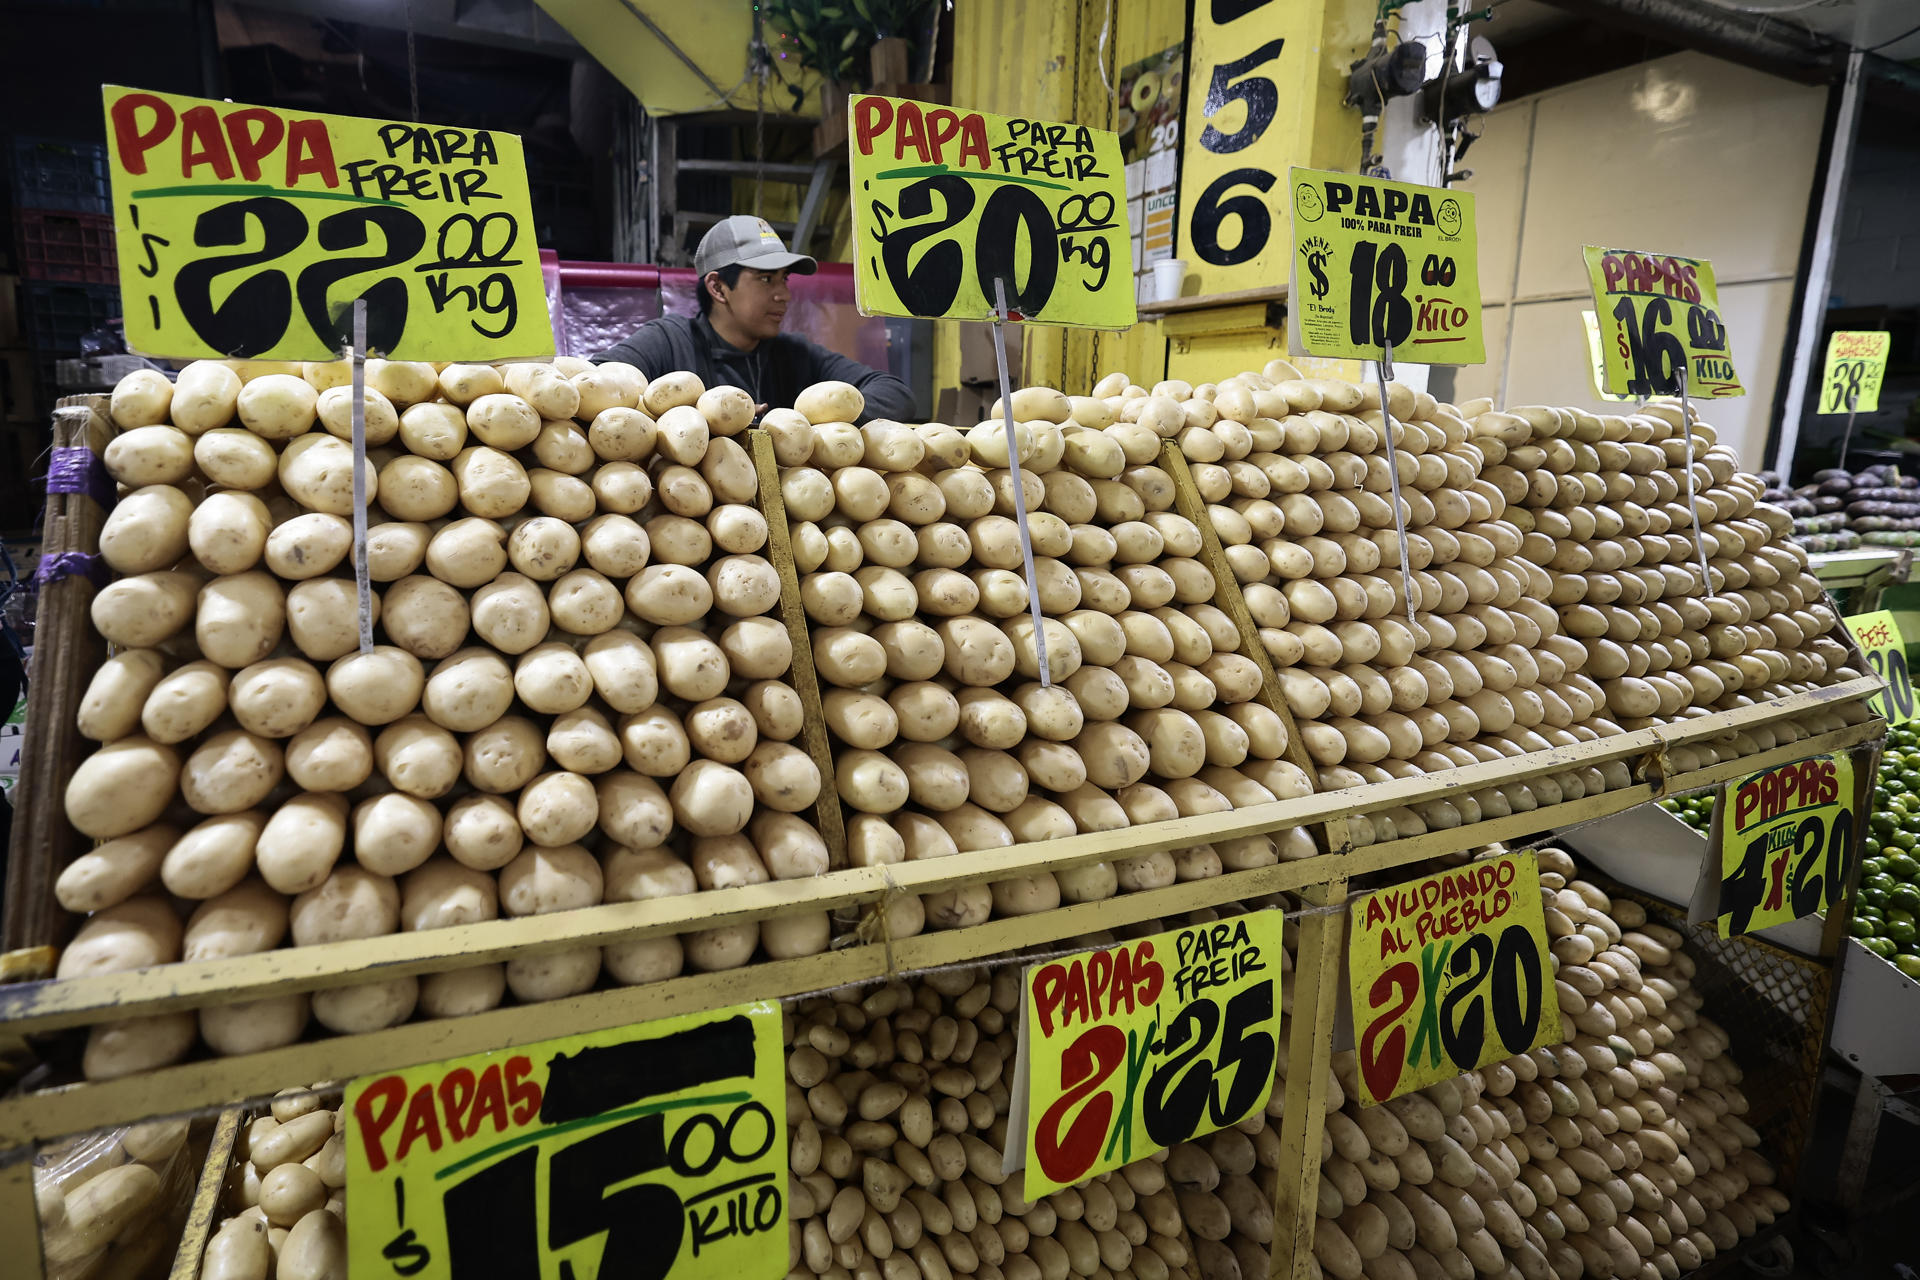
(1619, 1153)
(908, 546)
(287, 1195)
(110, 1204)
(1602, 501)
(577, 692)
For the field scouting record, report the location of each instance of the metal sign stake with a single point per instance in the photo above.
(1019, 486)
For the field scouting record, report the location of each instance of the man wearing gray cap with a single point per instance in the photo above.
(736, 339)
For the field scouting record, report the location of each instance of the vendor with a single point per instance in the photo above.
(736, 339)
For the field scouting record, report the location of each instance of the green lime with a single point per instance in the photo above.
(1905, 898)
(1903, 866)
(1881, 947)
(1882, 883)
(1909, 965)
(1860, 926)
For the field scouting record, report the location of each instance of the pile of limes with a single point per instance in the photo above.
(1696, 811)
(1886, 917)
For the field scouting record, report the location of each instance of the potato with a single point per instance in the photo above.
(465, 383)
(140, 399)
(142, 612)
(563, 496)
(404, 382)
(377, 687)
(134, 1045)
(395, 833)
(351, 903)
(308, 546)
(505, 755)
(276, 698)
(757, 648)
(783, 777)
(333, 754)
(115, 697)
(831, 402)
(544, 389)
(317, 472)
(277, 407)
(232, 457)
(151, 454)
(380, 422)
(424, 616)
(585, 603)
(247, 919)
(606, 386)
(583, 741)
(413, 488)
(214, 856)
(372, 1006)
(136, 934)
(492, 484)
(204, 396)
(115, 870)
(711, 799)
(623, 672)
(418, 757)
(323, 617)
(777, 710)
(467, 553)
(122, 787)
(558, 809)
(690, 665)
(482, 832)
(146, 530)
(622, 434)
(230, 771)
(227, 532)
(544, 880)
(462, 992)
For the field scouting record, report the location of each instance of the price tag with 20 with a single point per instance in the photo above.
(1856, 365)
(1378, 263)
(1448, 973)
(1659, 315)
(1137, 1047)
(946, 202)
(1878, 635)
(648, 1152)
(1786, 842)
(249, 231)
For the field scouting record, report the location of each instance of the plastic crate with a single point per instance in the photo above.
(57, 316)
(72, 247)
(51, 174)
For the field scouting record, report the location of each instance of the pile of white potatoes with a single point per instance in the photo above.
(1550, 552)
(1618, 1153)
(577, 693)
(287, 1195)
(909, 551)
(111, 1203)
(896, 1111)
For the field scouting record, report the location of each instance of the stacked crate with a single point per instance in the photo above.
(62, 286)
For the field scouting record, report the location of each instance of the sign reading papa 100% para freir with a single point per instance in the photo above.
(947, 202)
(1659, 320)
(651, 1152)
(1448, 973)
(249, 231)
(1378, 264)
(1137, 1047)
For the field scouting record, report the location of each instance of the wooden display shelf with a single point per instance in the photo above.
(209, 1192)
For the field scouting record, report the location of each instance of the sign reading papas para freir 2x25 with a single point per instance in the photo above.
(1785, 837)
(249, 231)
(1448, 973)
(1137, 1047)
(651, 1152)
(1378, 263)
(1659, 315)
(946, 202)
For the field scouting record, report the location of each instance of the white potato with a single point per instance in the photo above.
(143, 611)
(395, 833)
(468, 690)
(467, 553)
(308, 546)
(380, 421)
(332, 754)
(298, 847)
(140, 399)
(404, 382)
(205, 394)
(316, 471)
(227, 532)
(424, 616)
(418, 757)
(323, 617)
(277, 407)
(414, 488)
(146, 530)
(482, 832)
(377, 687)
(276, 698)
(510, 613)
(506, 755)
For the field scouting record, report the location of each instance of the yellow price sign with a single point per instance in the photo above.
(249, 232)
(1660, 316)
(655, 1151)
(947, 202)
(1787, 841)
(1134, 1048)
(1591, 323)
(1448, 973)
(1378, 263)
(1878, 635)
(1856, 365)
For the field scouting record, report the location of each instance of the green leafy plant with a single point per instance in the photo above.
(832, 37)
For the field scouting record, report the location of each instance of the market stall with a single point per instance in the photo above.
(490, 811)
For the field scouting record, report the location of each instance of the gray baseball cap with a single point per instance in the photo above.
(750, 242)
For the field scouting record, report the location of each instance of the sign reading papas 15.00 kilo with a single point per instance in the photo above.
(651, 1152)
(249, 231)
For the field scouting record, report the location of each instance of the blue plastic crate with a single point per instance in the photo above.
(49, 173)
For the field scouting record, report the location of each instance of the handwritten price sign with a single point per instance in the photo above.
(946, 202)
(649, 1152)
(1660, 314)
(1878, 635)
(1856, 365)
(249, 231)
(1786, 841)
(1378, 262)
(1450, 972)
(1138, 1047)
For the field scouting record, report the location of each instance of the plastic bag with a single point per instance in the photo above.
(112, 1203)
